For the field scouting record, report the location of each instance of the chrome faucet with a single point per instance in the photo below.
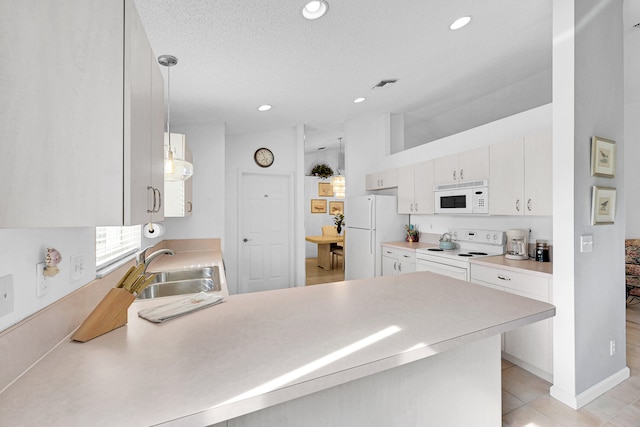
(141, 258)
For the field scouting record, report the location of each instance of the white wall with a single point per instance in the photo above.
(207, 144)
(588, 287)
(288, 150)
(22, 249)
(632, 130)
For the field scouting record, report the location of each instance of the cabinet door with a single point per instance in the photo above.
(138, 197)
(157, 138)
(506, 178)
(382, 180)
(473, 165)
(538, 174)
(406, 190)
(423, 198)
(446, 170)
(188, 185)
(61, 121)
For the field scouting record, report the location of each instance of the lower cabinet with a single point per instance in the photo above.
(397, 261)
(530, 347)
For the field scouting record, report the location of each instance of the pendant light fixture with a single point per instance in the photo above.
(338, 181)
(174, 169)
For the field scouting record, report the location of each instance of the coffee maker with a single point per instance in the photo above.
(517, 244)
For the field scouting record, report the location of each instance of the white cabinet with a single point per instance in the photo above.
(178, 194)
(415, 188)
(531, 346)
(520, 177)
(397, 261)
(463, 167)
(381, 180)
(81, 131)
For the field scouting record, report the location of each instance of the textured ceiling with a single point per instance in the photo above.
(234, 55)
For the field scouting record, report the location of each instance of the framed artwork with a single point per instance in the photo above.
(603, 205)
(336, 208)
(318, 206)
(603, 157)
(325, 189)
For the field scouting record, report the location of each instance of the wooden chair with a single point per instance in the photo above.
(632, 268)
(338, 251)
(329, 230)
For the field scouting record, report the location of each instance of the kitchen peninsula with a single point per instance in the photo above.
(401, 350)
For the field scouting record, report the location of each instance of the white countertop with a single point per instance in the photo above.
(256, 350)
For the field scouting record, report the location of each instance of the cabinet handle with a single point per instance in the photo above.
(153, 191)
(411, 207)
(406, 256)
(389, 252)
(454, 175)
(399, 266)
(503, 278)
(461, 174)
(189, 206)
(159, 200)
(382, 182)
(394, 265)
(416, 207)
(529, 205)
(518, 205)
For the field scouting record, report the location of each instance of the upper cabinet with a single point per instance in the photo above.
(463, 167)
(83, 110)
(521, 181)
(178, 194)
(382, 180)
(415, 188)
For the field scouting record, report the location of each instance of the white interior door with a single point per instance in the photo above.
(265, 232)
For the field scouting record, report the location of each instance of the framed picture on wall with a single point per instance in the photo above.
(325, 189)
(603, 157)
(318, 206)
(603, 205)
(336, 208)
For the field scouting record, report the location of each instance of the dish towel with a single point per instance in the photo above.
(174, 309)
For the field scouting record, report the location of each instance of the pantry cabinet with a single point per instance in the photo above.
(520, 177)
(397, 261)
(531, 346)
(178, 194)
(463, 167)
(415, 188)
(381, 180)
(83, 108)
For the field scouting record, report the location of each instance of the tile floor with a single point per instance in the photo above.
(526, 400)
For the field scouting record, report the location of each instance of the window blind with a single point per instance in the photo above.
(114, 243)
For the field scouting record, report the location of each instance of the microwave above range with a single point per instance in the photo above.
(464, 198)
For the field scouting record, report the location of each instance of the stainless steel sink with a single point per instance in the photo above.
(168, 283)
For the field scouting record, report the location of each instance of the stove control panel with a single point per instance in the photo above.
(491, 237)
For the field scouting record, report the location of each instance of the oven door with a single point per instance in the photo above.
(460, 273)
(453, 201)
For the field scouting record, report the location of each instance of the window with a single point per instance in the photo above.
(114, 243)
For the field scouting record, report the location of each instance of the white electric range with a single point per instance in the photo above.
(469, 244)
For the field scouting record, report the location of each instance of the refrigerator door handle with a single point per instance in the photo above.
(371, 243)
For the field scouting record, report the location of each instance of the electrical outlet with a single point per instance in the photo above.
(6, 294)
(42, 284)
(77, 268)
(612, 347)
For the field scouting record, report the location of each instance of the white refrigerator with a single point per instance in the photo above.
(370, 221)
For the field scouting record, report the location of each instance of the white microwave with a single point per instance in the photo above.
(465, 198)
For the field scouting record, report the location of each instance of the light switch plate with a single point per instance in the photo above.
(6, 294)
(42, 284)
(586, 243)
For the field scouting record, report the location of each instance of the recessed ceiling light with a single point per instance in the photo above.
(358, 100)
(265, 107)
(460, 22)
(315, 9)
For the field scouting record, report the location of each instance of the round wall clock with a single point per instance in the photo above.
(263, 157)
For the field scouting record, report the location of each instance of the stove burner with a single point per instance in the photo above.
(478, 253)
(467, 255)
(435, 249)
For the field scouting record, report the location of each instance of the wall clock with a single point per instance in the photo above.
(263, 157)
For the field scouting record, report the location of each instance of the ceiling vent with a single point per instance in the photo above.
(384, 83)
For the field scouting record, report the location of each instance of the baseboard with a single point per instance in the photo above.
(593, 392)
(528, 367)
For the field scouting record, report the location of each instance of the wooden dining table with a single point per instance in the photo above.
(324, 248)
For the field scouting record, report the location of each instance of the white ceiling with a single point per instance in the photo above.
(234, 55)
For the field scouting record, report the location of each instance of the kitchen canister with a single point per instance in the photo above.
(542, 251)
